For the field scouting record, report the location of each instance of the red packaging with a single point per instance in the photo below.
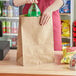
(8, 27)
(4, 26)
(74, 34)
(14, 41)
(74, 28)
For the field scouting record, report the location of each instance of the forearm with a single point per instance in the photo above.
(55, 6)
(19, 2)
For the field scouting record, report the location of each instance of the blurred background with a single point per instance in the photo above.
(9, 16)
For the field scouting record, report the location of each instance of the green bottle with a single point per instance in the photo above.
(0, 11)
(1, 6)
(34, 11)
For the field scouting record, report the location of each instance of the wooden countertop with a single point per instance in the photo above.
(9, 65)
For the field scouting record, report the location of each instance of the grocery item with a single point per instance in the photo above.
(34, 10)
(8, 27)
(14, 27)
(10, 11)
(1, 33)
(67, 57)
(74, 33)
(17, 26)
(66, 7)
(65, 28)
(1, 6)
(67, 54)
(15, 11)
(10, 42)
(71, 49)
(4, 26)
(14, 41)
(73, 62)
(0, 11)
(5, 12)
(65, 45)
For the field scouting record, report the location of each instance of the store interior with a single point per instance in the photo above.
(9, 25)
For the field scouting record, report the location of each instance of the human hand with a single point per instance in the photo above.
(45, 17)
(31, 1)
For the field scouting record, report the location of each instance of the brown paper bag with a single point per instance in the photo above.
(35, 42)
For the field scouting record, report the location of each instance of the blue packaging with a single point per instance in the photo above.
(66, 7)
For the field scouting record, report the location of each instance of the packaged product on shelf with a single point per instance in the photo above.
(10, 11)
(8, 27)
(1, 33)
(74, 33)
(5, 9)
(10, 42)
(65, 45)
(1, 6)
(6, 3)
(17, 26)
(4, 26)
(5, 12)
(65, 28)
(15, 11)
(66, 7)
(14, 27)
(14, 41)
(0, 12)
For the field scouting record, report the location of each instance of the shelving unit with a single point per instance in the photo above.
(66, 37)
(72, 19)
(4, 0)
(9, 36)
(65, 14)
(9, 17)
(70, 16)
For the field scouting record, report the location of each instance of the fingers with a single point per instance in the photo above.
(44, 20)
(32, 1)
(28, 1)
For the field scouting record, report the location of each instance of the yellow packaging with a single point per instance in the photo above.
(67, 57)
(65, 28)
(65, 45)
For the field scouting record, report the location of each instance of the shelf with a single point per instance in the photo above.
(4, 0)
(9, 17)
(66, 14)
(66, 37)
(13, 48)
(10, 34)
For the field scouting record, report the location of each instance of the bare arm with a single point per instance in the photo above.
(47, 13)
(22, 2)
(55, 6)
(19, 2)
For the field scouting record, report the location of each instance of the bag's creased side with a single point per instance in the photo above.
(37, 41)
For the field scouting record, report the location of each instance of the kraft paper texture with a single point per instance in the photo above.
(35, 42)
